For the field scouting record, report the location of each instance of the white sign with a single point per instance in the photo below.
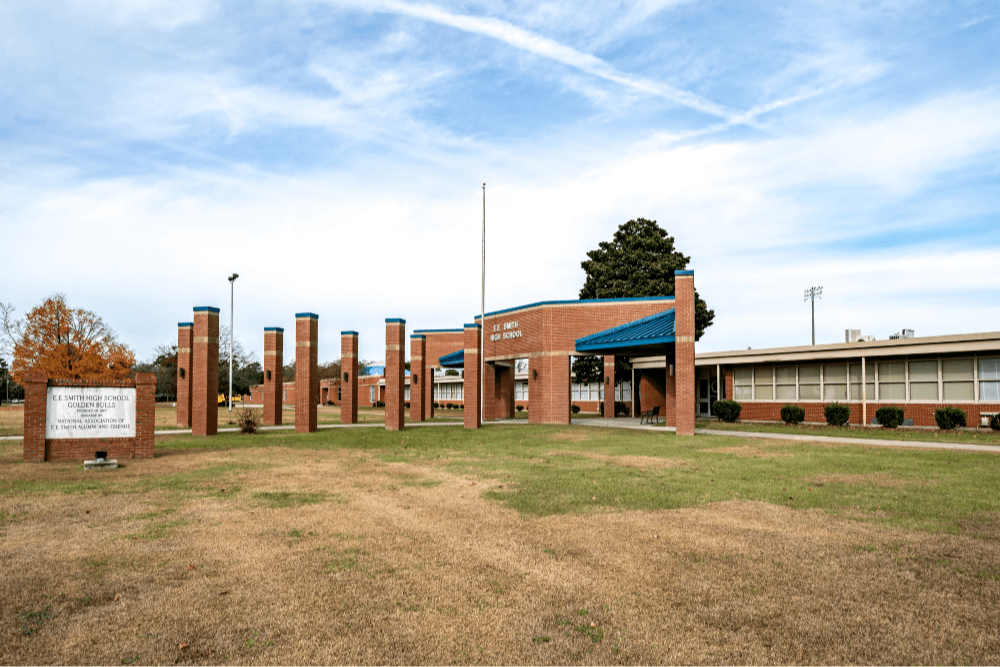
(90, 412)
(506, 331)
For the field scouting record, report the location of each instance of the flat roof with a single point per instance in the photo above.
(952, 344)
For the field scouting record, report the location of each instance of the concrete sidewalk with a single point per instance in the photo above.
(794, 437)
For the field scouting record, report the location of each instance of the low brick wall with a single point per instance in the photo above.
(922, 414)
(38, 449)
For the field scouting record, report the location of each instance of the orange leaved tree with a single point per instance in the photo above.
(66, 343)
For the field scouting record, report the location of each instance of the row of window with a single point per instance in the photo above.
(940, 379)
(443, 392)
(594, 391)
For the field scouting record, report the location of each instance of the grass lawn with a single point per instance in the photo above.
(979, 436)
(512, 544)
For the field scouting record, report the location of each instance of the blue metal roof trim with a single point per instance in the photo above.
(473, 325)
(348, 333)
(427, 331)
(203, 309)
(274, 329)
(312, 316)
(185, 324)
(455, 359)
(683, 273)
(417, 336)
(558, 303)
(655, 329)
(395, 319)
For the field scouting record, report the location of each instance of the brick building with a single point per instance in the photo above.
(919, 375)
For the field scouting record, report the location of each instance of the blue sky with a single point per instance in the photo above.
(333, 152)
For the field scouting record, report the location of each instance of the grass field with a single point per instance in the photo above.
(513, 544)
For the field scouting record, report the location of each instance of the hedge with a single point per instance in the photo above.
(889, 416)
(793, 414)
(727, 410)
(949, 418)
(837, 414)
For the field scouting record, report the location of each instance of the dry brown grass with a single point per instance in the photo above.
(12, 420)
(756, 451)
(643, 462)
(379, 565)
(872, 479)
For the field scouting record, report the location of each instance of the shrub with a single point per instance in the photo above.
(248, 421)
(889, 416)
(575, 409)
(436, 405)
(995, 422)
(622, 409)
(949, 418)
(837, 414)
(727, 410)
(406, 405)
(449, 406)
(380, 404)
(793, 414)
(519, 408)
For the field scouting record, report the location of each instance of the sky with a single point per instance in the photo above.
(333, 154)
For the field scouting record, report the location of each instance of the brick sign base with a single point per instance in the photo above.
(37, 449)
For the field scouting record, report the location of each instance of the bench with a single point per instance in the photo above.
(650, 415)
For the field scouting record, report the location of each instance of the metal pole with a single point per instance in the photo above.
(482, 321)
(232, 283)
(814, 317)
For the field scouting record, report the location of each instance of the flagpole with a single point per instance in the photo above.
(482, 322)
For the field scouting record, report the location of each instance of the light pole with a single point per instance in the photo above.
(482, 320)
(232, 281)
(810, 295)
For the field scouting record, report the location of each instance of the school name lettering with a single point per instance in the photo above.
(506, 331)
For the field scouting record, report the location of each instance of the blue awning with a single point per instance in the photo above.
(453, 360)
(645, 335)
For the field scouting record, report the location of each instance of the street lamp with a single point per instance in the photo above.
(810, 295)
(232, 280)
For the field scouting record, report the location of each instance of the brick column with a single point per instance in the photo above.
(35, 400)
(471, 379)
(205, 372)
(556, 389)
(145, 415)
(395, 369)
(306, 373)
(348, 377)
(490, 393)
(534, 390)
(429, 392)
(185, 338)
(274, 374)
(609, 386)
(684, 350)
(418, 376)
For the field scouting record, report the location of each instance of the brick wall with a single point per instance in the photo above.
(609, 386)
(395, 360)
(185, 341)
(274, 360)
(922, 414)
(37, 448)
(205, 372)
(306, 372)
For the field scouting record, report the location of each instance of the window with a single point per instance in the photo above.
(763, 384)
(855, 375)
(808, 383)
(521, 391)
(626, 391)
(989, 379)
(373, 394)
(284, 394)
(784, 378)
(406, 393)
(742, 383)
(576, 391)
(835, 382)
(924, 380)
(958, 376)
(892, 381)
(460, 391)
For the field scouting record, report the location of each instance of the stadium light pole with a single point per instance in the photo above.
(232, 281)
(810, 295)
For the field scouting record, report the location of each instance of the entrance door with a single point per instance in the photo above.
(704, 397)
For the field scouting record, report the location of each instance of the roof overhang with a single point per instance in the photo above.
(649, 335)
(454, 359)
